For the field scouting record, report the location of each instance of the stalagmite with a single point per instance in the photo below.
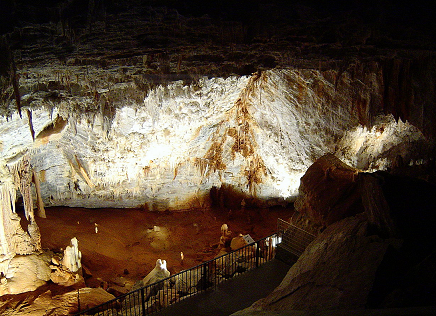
(224, 230)
(159, 272)
(225, 237)
(35, 235)
(72, 256)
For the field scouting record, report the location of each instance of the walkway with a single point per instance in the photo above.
(234, 294)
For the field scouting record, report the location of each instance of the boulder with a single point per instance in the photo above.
(66, 278)
(238, 242)
(329, 191)
(159, 272)
(26, 273)
(336, 271)
(62, 304)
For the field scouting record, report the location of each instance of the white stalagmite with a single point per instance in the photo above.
(158, 273)
(72, 259)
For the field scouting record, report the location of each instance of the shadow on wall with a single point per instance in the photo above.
(230, 197)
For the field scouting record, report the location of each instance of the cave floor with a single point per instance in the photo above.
(124, 243)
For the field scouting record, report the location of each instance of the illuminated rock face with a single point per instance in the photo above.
(25, 273)
(175, 148)
(256, 134)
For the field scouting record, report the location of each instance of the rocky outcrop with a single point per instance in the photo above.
(25, 273)
(48, 303)
(329, 191)
(373, 254)
(336, 271)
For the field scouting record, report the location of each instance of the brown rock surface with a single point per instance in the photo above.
(26, 273)
(62, 304)
(66, 278)
(328, 191)
(336, 270)
(355, 262)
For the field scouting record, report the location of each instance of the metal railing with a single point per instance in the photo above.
(292, 238)
(206, 276)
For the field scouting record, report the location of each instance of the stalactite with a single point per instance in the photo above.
(29, 116)
(15, 82)
(84, 173)
(41, 209)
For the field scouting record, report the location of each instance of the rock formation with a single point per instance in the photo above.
(114, 104)
(179, 143)
(25, 273)
(367, 227)
(23, 265)
(159, 272)
(68, 271)
(41, 304)
(72, 256)
(238, 242)
(169, 150)
(328, 191)
(14, 240)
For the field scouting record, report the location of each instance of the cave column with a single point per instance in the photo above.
(7, 190)
(23, 176)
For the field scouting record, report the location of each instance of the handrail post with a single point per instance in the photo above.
(205, 276)
(78, 300)
(257, 254)
(143, 302)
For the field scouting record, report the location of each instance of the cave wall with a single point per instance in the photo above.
(257, 134)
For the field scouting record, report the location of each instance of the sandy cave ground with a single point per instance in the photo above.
(126, 243)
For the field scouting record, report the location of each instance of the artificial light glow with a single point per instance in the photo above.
(376, 148)
(156, 152)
